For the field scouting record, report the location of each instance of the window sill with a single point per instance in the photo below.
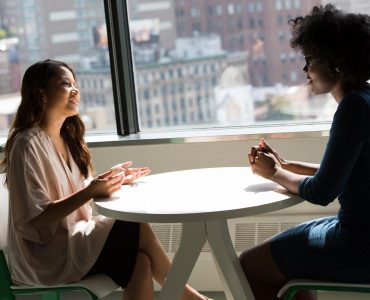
(205, 135)
(224, 134)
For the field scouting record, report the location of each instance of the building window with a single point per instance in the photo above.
(278, 5)
(182, 53)
(231, 9)
(259, 7)
(194, 12)
(288, 4)
(293, 76)
(297, 4)
(218, 10)
(282, 57)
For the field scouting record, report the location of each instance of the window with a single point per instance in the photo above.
(283, 57)
(177, 64)
(297, 4)
(231, 9)
(288, 4)
(194, 12)
(259, 6)
(293, 76)
(76, 34)
(278, 5)
(238, 8)
(218, 10)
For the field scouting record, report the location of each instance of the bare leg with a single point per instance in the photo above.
(263, 274)
(160, 262)
(140, 286)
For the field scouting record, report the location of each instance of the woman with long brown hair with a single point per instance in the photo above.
(53, 236)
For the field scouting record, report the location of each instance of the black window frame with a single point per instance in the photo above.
(122, 68)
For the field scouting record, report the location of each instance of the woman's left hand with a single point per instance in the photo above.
(130, 174)
(265, 164)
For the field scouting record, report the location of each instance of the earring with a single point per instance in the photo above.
(43, 100)
(337, 70)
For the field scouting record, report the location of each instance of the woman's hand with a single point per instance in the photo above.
(104, 185)
(264, 147)
(130, 174)
(265, 164)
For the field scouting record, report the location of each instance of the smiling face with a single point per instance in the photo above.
(61, 94)
(320, 80)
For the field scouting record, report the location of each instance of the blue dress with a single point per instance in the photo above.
(335, 248)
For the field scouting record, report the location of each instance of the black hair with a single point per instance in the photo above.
(339, 40)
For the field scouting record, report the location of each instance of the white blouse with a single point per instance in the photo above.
(61, 252)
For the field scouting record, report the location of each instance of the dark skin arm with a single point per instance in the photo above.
(267, 166)
(266, 162)
(297, 167)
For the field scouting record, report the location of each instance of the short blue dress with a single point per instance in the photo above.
(335, 248)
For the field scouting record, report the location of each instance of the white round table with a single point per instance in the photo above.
(203, 200)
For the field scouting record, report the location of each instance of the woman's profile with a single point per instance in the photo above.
(54, 238)
(336, 46)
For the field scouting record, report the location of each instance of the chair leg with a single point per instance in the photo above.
(290, 293)
(50, 296)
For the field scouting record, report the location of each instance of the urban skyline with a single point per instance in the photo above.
(189, 57)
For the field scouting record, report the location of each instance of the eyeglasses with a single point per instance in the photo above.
(308, 59)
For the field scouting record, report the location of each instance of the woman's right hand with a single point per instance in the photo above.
(264, 147)
(104, 185)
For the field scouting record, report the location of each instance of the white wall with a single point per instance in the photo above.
(171, 157)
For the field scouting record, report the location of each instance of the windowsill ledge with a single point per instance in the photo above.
(205, 135)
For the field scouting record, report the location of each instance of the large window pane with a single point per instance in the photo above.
(73, 31)
(205, 63)
(199, 63)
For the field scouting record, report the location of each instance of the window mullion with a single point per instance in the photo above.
(121, 66)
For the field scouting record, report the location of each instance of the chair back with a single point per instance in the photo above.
(4, 213)
(5, 280)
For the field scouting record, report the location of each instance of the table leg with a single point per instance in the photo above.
(193, 238)
(227, 262)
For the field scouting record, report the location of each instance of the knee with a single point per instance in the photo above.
(147, 235)
(146, 229)
(143, 264)
(244, 259)
(255, 258)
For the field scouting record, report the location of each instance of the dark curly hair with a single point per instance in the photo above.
(340, 41)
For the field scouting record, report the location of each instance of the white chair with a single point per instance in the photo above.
(293, 286)
(97, 286)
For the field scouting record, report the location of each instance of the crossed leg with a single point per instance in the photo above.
(152, 262)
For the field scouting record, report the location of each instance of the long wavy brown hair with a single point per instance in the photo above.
(32, 109)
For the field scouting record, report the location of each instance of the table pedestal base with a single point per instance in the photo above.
(193, 238)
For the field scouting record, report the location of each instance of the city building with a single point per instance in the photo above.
(189, 87)
(96, 106)
(163, 11)
(258, 27)
(356, 6)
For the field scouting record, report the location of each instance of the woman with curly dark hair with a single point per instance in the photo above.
(336, 46)
(54, 238)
